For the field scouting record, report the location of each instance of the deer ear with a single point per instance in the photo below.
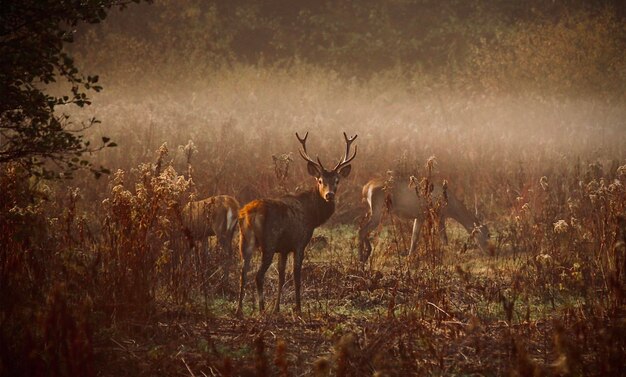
(313, 170)
(345, 171)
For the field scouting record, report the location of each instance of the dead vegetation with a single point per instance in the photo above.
(98, 278)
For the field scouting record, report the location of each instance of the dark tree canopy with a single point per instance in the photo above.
(33, 133)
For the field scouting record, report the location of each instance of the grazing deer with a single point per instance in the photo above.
(285, 225)
(214, 216)
(403, 201)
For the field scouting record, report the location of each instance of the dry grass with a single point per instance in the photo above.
(103, 270)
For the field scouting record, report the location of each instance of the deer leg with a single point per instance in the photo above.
(230, 253)
(242, 285)
(202, 254)
(246, 247)
(282, 264)
(197, 248)
(297, 276)
(442, 230)
(415, 235)
(260, 277)
(226, 251)
(365, 246)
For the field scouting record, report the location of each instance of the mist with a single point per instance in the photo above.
(503, 123)
(174, 73)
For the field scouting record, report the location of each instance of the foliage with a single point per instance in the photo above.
(565, 46)
(578, 55)
(32, 56)
(44, 280)
(145, 249)
(550, 298)
(100, 278)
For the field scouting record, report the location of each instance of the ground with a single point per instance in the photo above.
(462, 313)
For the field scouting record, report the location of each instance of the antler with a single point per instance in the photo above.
(305, 154)
(345, 160)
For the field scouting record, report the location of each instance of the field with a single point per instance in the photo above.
(126, 294)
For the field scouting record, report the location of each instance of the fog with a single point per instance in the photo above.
(538, 94)
(504, 118)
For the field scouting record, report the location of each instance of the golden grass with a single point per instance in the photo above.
(547, 175)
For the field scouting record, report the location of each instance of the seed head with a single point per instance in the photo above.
(561, 226)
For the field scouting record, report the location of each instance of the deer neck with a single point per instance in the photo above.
(460, 213)
(316, 209)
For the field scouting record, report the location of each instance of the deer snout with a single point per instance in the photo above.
(329, 196)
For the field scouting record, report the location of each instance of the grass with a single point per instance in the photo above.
(362, 305)
(108, 265)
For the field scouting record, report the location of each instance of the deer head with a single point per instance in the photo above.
(327, 180)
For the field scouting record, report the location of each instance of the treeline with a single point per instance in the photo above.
(568, 45)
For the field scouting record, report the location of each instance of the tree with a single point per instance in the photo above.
(580, 54)
(33, 133)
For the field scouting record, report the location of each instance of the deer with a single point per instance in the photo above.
(213, 216)
(404, 202)
(286, 224)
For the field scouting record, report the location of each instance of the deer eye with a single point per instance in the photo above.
(319, 180)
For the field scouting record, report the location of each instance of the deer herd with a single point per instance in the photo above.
(285, 225)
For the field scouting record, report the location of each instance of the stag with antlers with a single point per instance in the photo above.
(286, 224)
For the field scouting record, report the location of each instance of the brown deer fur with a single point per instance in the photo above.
(403, 201)
(214, 216)
(285, 225)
